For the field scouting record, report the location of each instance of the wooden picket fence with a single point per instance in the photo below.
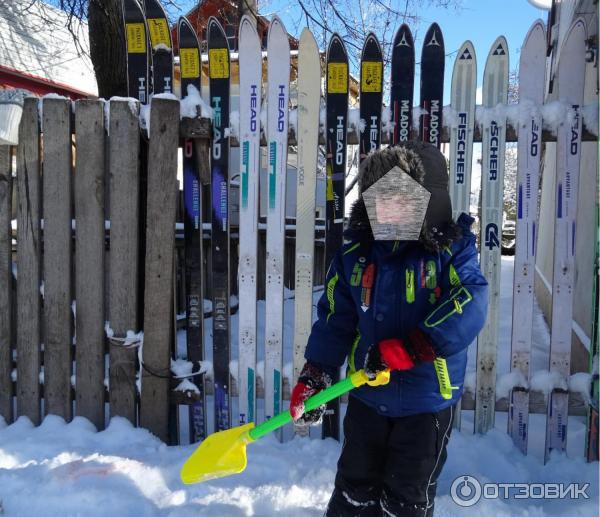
(88, 279)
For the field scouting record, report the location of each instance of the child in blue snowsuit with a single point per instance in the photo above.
(410, 306)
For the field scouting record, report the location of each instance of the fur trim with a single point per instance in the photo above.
(432, 239)
(376, 164)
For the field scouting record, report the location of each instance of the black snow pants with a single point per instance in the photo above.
(389, 465)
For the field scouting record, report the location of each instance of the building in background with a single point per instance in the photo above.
(38, 53)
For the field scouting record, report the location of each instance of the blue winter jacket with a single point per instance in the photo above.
(378, 290)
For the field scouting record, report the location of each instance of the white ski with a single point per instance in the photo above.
(495, 91)
(278, 70)
(464, 85)
(250, 62)
(532, 66)
(309, 93)
(571, 77)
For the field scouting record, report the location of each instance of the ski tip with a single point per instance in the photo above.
(578, 25)
(433, 37)
(466, 53)
(404, 37)
(247, 32)
(537, 29)
(247, 23)
(277, 34)
(371, 50)
(336, 44)
(499, 49)
(275, 25)
(185, 27)
(215, 29)
(307, 38)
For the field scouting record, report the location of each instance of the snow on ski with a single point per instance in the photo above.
(250, 62)
(136, 35)
(371, 91)
(402, 84)
(571, 76)
(309, 93)
(532, 67)
(493, 127)
(161, 47)
(336, 95)
(278, 74)
(190, 65)
(432, 86)
(219, 75)
(464, 85)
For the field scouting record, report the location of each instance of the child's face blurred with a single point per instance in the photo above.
(391, 208)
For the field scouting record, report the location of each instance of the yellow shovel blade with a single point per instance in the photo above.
(219, 455)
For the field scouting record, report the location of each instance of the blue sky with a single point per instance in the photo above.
(481, 21)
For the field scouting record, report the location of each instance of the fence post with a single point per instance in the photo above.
(160, 242)
(5, 283)
(124, 173)
(56, 195)
(89, 260)
(28, 262)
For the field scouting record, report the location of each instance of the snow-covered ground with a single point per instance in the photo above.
(60, 469)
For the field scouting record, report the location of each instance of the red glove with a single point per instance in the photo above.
(311, 380)
(397, 354)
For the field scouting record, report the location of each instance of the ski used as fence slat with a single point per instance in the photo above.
(136, 36)
(161, 47)
(190, 66)
(464, 84)
(250, 62)
(532, 65)
(495, 91)
(336, 96)
(571, 79)
(278, 76)
(309, 95)
(219, 77)
(432, 86)
(402, 84)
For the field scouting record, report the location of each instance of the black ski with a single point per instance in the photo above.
(218, 61)
(136, 35)
(190, 66)
(161, 47)
(336, 131)
(371, 91)
(402, 82)
(432, 86)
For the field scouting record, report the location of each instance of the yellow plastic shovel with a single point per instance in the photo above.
(224, 453)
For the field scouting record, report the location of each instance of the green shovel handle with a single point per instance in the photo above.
(338, 389)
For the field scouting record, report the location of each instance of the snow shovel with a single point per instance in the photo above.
(224, 453)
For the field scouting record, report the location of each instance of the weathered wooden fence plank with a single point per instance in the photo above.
(28, 264)
(56, 195)
(89, 260)
(160, 241)
(124, 175)
(5, 283)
